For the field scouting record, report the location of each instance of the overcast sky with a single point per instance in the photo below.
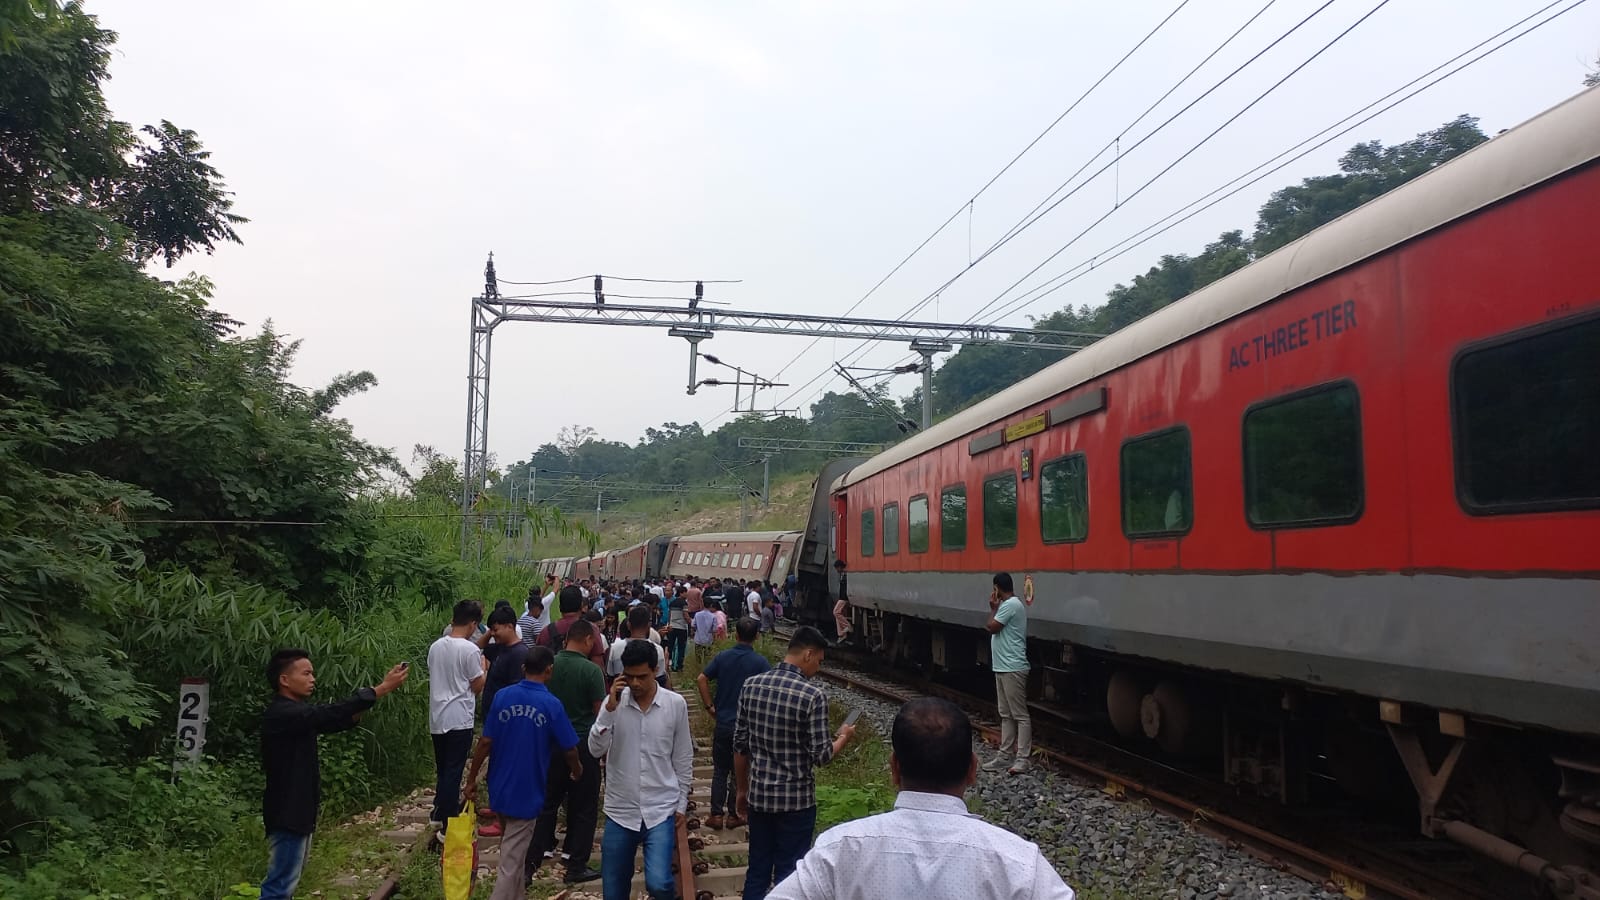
(381, 151)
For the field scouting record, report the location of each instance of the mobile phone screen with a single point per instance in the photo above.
(854, 715)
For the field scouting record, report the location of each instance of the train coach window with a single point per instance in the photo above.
(1302, 459)
(917, 524)
(1527, 422)
(1000, 510)
(760, 558)
(1157, 486)
(953, 518)
(1064, 499)
(869, 535)
(891, 528)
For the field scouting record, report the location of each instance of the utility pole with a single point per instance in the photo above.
(766, 481)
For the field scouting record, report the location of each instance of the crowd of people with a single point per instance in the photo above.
(579, 716)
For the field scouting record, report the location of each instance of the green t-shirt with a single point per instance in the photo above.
(1008, 647)
(578, 684)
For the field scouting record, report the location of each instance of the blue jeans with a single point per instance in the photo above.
(287, 861)
(777, 841)
(617, 851)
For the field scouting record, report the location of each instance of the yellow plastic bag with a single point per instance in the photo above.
(460, 857)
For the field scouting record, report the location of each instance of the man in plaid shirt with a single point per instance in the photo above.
(780, 734)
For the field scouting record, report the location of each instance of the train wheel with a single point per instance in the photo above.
(1123, 697)
(1168, 718)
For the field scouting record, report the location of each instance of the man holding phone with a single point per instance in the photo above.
(780, 735)
(1008, 651)
(289, 730)
(644, 731)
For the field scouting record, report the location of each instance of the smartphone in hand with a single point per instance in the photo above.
(852, 717)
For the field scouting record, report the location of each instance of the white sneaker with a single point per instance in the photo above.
(998, 764)
(1018, 767)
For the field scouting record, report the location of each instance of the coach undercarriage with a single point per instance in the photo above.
(1525, 798)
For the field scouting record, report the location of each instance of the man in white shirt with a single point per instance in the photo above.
(637, 630)
(928, 846)
(752, 600)
(645, 732)
(456, 671)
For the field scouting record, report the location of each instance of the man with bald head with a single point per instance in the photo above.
(929, 846)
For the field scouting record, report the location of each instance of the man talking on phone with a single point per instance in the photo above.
(644, 731)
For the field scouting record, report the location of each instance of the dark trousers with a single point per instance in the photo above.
(777, 841)
(677, 642)
(450, 752)
(722, 788)
(582, 798)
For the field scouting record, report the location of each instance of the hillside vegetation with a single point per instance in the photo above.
(636, 520)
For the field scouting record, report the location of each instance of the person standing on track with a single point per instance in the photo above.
(643, 731)
(504, 670)
(929, 846)
(554, 635)
(705, 627)
(580, 686)
(730, 669)
(677, 627)
(524, 728)
(1008, 651)
(289, 729)
(780, 734)
(456, 674)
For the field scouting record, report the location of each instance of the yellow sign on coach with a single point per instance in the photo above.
(1025, 427)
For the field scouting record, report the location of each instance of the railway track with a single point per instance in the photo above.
(1361, 858)
(708, 864)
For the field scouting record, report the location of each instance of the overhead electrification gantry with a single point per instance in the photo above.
(695, 323)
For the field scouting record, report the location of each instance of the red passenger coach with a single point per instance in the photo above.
(1343, 502)
(741, 555)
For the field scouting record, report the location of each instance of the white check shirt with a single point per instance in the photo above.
(649, 759)
(928, 847)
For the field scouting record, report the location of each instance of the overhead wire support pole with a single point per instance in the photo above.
(475, 459)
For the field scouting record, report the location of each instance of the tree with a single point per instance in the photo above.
(571, 437)
(173, 199)
(61, 148)
(1367, 170)
(1593, 78)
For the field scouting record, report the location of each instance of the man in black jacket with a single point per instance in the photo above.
(289, 730)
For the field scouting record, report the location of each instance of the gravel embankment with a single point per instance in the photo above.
(1106, 848)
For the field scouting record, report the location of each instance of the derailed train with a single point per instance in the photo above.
(1331, 522)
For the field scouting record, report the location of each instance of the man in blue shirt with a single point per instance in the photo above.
(522, 731)
(1008, 652)
(729, 669)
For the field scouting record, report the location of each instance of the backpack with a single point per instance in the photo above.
(549, 636)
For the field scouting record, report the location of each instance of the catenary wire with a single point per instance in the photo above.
(1255, 175)
(1185, 155)
(966, 205)
(1262, 170)
(1049, 205)
(1034, 215)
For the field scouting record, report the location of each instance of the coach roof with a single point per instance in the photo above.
(733, 536)
(1556, 141)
